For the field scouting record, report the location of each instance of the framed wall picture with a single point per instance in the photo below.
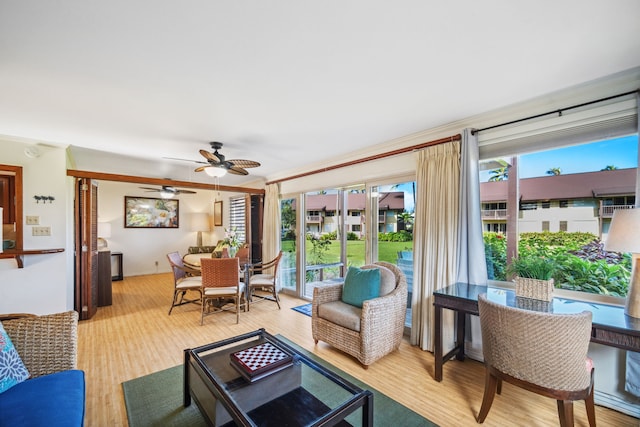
(217, 213)
(146, 212)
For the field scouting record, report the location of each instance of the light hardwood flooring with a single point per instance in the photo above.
(135, 336)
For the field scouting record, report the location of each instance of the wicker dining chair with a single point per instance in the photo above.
(263, 276)
(185, 279)
(221, 283)
(541, 352)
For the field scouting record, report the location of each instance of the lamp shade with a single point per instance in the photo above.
(104, 229)
(624, 233)
(200, 222)
(215, 171)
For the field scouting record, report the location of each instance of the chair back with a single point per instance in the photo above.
(220, 272)
(175, 260)
(264, 267)
(546, 349)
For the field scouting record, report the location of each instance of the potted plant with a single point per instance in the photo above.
(533, 277)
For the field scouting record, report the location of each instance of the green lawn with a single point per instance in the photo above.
(387, 251)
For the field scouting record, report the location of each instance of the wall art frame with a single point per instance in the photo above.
(148, 212)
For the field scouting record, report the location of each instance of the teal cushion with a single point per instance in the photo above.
(360, 285)
(12, 370)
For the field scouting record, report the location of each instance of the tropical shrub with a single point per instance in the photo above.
(396, 236)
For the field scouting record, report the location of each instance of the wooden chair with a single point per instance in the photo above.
(185, 279)
(263, 276)
(220, 283)
(541, 352)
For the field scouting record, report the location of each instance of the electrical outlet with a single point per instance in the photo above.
(33, 220)
(156, 263)
(41, 231)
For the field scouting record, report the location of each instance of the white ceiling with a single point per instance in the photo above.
(288, 82)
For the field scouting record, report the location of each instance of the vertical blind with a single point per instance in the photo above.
(237, 215)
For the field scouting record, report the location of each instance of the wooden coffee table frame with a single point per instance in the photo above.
(215, 390)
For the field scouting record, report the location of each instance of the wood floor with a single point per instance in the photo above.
(135, 337)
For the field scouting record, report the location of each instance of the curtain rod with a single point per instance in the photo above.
(373, 157)
(559, 111)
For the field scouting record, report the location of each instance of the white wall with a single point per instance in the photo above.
(43, 285)
(143, 247)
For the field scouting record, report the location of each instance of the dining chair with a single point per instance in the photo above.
(221, 283)
(542, 352)
(185, 279)
(263, 276)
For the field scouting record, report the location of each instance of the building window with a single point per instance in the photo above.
(530, 206)
(356, 228)
(563, 203)
(563, 225)
(545, 205)
(355, 213)
(545, 225)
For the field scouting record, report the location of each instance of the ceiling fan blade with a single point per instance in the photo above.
(185, 192)
(244, 163)
(151, 189)
(210, 156)
(185, 160)
(236, 170)
(201, 168)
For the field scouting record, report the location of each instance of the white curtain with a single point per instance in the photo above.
(435, 238)
(271, 223)
(472, 267)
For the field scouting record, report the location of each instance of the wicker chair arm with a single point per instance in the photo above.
(324, 294)
(46, 344)
(384, 313)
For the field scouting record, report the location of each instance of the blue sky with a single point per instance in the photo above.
(619, 152)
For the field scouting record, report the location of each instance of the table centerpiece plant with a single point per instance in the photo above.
(231, 239)
(533, 277)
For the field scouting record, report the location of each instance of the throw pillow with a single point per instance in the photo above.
(12, 370)
(360, 285)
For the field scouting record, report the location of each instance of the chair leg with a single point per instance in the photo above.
(565, 412)
(275, 296)
(590, 405)
(490, 385)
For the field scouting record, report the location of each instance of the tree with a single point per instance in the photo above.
(500, 174)
(407, 219)
(609, 168)
(554, 171)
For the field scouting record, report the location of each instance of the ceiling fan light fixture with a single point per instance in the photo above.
(215, 171)
(166, 194)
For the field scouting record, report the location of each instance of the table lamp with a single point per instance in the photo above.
(200, 222)
(104, 232)
(624, 236)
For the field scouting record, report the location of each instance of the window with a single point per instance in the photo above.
(552, 203)
(237, 217)
(356, 228)
(355, 213)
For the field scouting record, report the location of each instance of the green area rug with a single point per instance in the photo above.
(156, 400)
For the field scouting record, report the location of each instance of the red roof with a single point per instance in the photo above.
(585, 185)
(356, 201)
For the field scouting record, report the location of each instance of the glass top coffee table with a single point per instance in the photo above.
(256, 379)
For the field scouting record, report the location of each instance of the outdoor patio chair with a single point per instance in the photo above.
(221, 284)
(185, 279)
(541, 352)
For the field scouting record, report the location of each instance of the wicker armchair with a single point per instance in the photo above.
(46, 344)
(374, 331)
(541, 352)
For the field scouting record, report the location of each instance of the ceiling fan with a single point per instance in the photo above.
(217, 165)
(167, 191)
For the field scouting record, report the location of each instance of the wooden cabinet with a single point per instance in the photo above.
(104, 278)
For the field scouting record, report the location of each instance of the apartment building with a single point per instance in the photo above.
(582, 202)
